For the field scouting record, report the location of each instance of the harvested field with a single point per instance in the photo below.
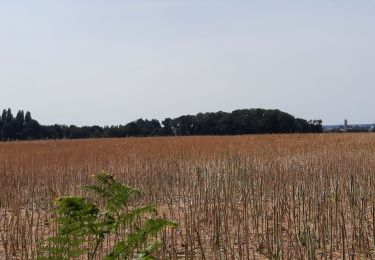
(240, 197)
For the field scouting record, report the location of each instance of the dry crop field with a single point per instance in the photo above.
(241, 197)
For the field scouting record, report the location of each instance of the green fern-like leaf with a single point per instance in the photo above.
(98, 191)
(104, 178)
(140, 236)
(146, 253)
(128, 217)
(82, 226)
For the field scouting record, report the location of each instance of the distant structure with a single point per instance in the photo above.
(349, 128)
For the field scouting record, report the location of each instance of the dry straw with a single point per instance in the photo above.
(245, 197)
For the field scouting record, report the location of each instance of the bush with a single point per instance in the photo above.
(83, 225)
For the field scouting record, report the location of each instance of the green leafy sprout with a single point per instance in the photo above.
(83, 226)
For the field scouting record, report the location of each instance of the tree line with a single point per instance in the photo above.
(244, 121)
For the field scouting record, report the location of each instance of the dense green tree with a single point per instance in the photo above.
(185, 125)
(96, 131)
(33, 130)
(4, 115)
(28, 117)
(20, 117)
(1, 127)
(269, 122)
(132, 129)
(55, 131)
(154, 127)
(9, 116)
(243, 121)
(18, 125)
(8, 129)
(167, 127)
(316, 126)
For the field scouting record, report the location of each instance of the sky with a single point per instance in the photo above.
(109, 62)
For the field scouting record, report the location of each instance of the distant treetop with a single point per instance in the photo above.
(238, 122)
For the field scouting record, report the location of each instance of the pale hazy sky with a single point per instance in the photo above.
(108, 62)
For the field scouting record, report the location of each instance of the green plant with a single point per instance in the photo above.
(83, 225)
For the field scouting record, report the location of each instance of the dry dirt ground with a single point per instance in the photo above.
(239, 197)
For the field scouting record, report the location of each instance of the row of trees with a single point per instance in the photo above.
(19, 127)
(244, 121)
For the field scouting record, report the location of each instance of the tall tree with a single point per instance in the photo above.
(1, 127)
(19, 124)
(28, 117)
(167, 129)
(4, 115)
(33, 130)
(9, 116)
(8, 131)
